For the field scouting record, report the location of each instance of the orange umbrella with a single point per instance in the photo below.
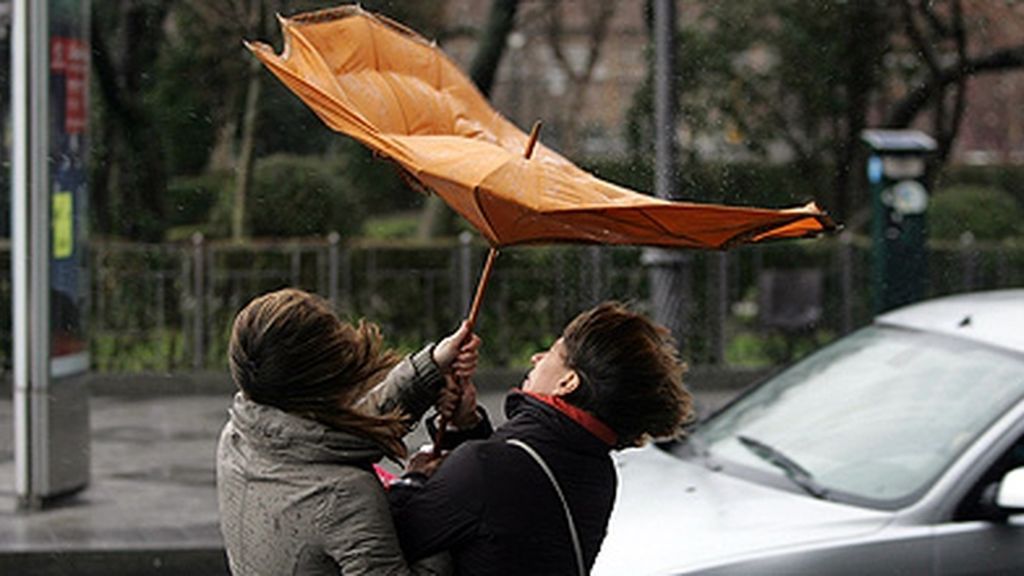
(384, 85)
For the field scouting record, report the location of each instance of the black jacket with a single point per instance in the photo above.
(493, 507)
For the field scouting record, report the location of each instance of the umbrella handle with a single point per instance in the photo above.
(474, 311)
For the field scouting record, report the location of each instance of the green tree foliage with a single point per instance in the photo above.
(292, 195)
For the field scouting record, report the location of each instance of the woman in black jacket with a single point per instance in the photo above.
(535, 496)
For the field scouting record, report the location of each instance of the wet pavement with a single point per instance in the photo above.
(151, 505)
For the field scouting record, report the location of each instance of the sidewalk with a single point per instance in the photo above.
(151, 507)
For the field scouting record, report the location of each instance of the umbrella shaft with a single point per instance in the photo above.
(481, 287)
(474, 311)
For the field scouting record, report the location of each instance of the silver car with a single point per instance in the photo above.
(898, 449)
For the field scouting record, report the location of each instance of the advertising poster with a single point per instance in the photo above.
(69, 147)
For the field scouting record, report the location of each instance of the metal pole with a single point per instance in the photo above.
(664, 109)
(721, 260)
(30, 246)
(20, 94)
(199, 290)
(969, 261)
(296, 264)
(333, 240)
(596, 276)
(669, 269)
(846, 279)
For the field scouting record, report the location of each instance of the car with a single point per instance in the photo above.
(897, 449)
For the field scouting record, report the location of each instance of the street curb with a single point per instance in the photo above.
(170, 561)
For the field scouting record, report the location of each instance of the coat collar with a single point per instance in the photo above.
(300, 438)
(553, 410)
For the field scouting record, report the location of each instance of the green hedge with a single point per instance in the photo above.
(987, 213)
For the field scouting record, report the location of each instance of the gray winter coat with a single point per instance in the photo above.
(297, 497)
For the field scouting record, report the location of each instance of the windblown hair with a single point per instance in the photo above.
(290, 350)
(631, 377)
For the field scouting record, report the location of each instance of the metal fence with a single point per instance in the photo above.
(168, 307)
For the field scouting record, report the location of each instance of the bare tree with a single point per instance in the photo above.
(939, 34)
(597, 18)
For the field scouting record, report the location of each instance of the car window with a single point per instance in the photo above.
(876, 416)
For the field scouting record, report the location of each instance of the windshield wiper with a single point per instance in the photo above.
(795, 472)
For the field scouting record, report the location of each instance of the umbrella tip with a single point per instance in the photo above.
(534, 135)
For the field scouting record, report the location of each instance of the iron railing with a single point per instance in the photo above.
(169, 306)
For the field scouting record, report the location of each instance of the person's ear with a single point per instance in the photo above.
(567, 383)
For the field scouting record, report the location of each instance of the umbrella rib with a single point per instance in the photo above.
(668, 232)
(608, 216)
(386, 79)
(749, 234)
(483, 213)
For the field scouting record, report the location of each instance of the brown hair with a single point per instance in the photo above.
(631, 377)
(290, 350)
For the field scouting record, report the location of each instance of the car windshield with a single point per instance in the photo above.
(875, 416)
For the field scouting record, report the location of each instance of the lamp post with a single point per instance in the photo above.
(668, 270)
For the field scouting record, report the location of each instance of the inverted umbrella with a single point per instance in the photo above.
(381, 83)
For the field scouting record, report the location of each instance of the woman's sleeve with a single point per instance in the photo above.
(445, 511)
(412, 386)
(360, 536)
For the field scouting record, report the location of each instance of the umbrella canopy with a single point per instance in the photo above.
(384, 85)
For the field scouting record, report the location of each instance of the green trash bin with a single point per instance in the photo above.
(896, 170)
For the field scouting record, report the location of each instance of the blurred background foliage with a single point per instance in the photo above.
(772, 97)
(189, 134)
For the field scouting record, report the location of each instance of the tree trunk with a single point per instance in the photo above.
(222, 156)
(861, 81)
(131, 203)
(243, 178)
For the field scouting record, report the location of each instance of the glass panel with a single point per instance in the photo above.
(879, 414)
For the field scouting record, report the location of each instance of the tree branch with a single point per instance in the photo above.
(925, 48)
(500, 22)
(937, 25)
(597, 29)
(554, 36)
(911, 105)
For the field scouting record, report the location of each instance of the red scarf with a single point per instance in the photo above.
(579, 416)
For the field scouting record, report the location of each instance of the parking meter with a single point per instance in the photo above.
(896, 169)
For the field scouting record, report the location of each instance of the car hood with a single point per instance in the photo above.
(674, 515)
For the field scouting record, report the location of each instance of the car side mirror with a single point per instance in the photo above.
(1003, 498)
(1010, 495)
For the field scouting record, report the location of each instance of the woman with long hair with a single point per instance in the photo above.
(320, 401)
